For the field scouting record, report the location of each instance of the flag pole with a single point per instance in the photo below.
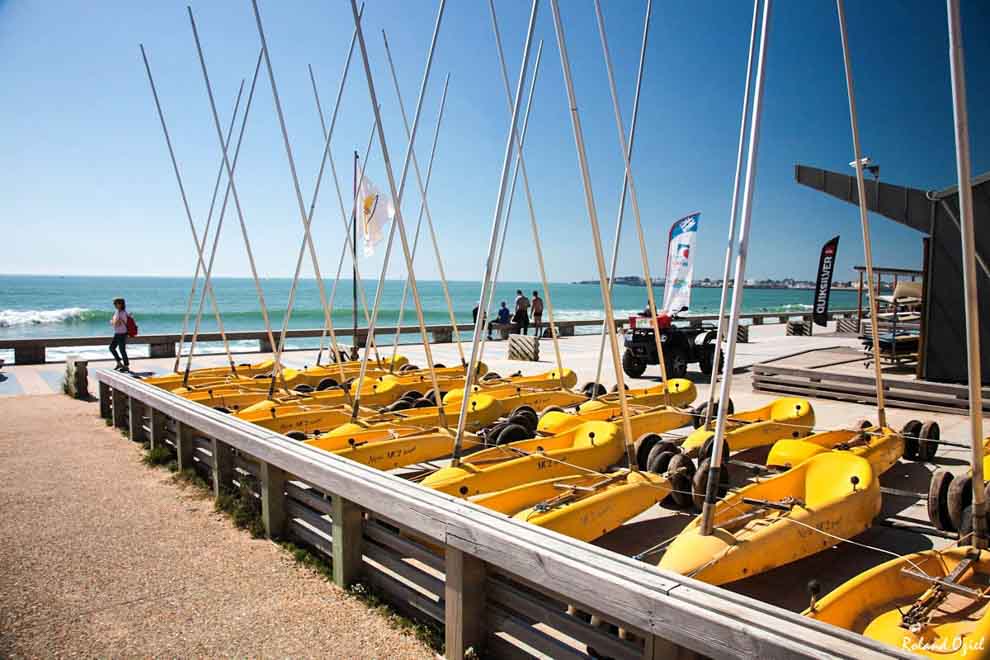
(714, 471)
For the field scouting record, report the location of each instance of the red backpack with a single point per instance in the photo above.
(132, 328)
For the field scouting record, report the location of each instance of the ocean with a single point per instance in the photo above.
(63, 306)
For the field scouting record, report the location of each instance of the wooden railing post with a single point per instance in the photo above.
(223, 466)
(183, 446)
(156, 424)
(272, 499)
(105, 395)
(464, 604)
(135, 419)
(657, 648)
(119, 409)
(347, 540)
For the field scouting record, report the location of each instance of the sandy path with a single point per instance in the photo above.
(102, 556)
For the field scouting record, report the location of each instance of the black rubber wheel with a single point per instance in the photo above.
(525, 416)
(303, 388)
(707, 359)
(406, 368)
(524, 421)
(411, 395)
(929, 431)
(959, 496)
(551, 409)
(512, 433)
(632, 365)
(676, 362)
(699, 483)
(326, 384)
(261, 376)
(699, 412)
(642, 447)
(966, 521)
(681, 470)
(659, 448)
(439, 365)
(491, 375)
(910, 433)
(660, 461)
(708, 446)
(938, 500)
(423, 403)
(592, 389)
(222, 409)
(296, 435)
(401, 404)
(615, 388)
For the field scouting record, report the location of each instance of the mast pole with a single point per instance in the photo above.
(714, 471)
(733, 214)
(864, 219)
(970, 282)
(589, 200)
(354, 273)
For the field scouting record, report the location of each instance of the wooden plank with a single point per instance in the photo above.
(513, 599)
(184, 446)
(308, 496)
(854, 394)
(406, 547)
(246, 464)
(405, 598)
(416, 578)
(119, 410)
(294, 510)
(156, 428)
(298, 530)
(223, 466)
(347, 520)
(520, 629)
(135, 421)
(464, 595)
(624, 590)
(273, 500)
(105, 401)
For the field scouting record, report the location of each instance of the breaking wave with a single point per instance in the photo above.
(14, 317)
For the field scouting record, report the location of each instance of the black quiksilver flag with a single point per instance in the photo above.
(823, 283)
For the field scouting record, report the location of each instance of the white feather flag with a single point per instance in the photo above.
(375, 211)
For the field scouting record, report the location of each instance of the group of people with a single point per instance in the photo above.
(524, 310)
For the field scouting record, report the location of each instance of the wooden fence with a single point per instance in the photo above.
(498, 586)
(33, 350)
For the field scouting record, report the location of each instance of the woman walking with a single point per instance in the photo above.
(119, 324)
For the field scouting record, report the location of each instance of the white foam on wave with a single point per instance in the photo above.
(12, 317)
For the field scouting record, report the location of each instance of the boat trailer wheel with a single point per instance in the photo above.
(663, 446)
(911, 432)
(929, 431)
(512, 433)
(681, 470)
(700, 483)
(958, 497)
(296, 435)
(708, 448)
(326, 384)
(938, 500)
(642, 447)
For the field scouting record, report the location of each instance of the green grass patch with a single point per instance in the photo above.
(160, 455)
(243, 508)
(431, 635)
(189, 478)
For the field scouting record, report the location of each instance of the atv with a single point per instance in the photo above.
(681, 347)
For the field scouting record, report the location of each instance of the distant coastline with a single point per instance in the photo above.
(789, 284)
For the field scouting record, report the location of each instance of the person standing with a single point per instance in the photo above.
(537, 307)
(119, 324)
(521, 317)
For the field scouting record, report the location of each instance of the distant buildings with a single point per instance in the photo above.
(709, 283)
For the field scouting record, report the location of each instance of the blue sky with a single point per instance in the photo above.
(87, 187)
